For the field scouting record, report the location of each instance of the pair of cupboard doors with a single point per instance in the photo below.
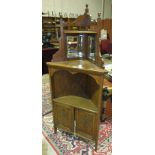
(76, 121)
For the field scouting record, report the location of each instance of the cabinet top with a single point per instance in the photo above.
(77, 65)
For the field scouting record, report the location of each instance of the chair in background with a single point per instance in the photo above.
(106, 47)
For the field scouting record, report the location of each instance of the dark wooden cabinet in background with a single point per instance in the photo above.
(47, 55)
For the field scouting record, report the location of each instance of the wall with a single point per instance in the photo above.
(77, 7)
(107, 9)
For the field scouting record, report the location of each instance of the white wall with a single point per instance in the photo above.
(107, 9)
(75, 6)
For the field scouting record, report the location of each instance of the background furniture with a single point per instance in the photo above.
(47, 54)
(106, 47)
(107, 25)
(51, 28)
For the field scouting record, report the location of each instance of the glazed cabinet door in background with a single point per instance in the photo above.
(63, 117)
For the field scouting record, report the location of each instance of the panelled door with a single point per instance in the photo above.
(63, 117)
(85, 124)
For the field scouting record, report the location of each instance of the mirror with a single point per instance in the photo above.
(91, 47)
(75, 46)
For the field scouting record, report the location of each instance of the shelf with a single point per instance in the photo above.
(72, 42)
(78, 65)
(77, 102)
(49, 26)
(48, 23)
(78, 32)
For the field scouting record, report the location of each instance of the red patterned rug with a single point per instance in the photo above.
(68, 144)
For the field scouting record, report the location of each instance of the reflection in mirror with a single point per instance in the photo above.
(72, 46)
(75, 46)
(91, 47)
(80, 45)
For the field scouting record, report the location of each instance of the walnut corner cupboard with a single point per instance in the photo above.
(76, 79)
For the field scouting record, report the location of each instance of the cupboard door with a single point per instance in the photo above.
(63, 117)
(85, 124)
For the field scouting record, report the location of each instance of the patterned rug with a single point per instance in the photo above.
(46, 97)
(68, 144)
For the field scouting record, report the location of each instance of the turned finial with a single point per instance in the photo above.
(99, 15)
(86, 10)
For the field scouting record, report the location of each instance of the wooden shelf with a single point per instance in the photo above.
(78, 65)
(77, 102)
(49, 26)
(72, 42)
(78, 32)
